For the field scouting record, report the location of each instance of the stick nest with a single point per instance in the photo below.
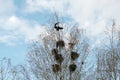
(56, 68)
(74, 55)
(59, 58)
(72, 67)
(60, 43)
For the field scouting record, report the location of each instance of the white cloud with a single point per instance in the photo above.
(39, 5)
(82, 11)
(8, 39)
(13, 28)
(96, 28)
(7, 7)
(16, 28)
(90, 14)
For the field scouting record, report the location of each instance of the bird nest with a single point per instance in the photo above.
(60, 43)
(74, 55)
(59, 58)
(56, 68)
(54, 51)
(72, 67)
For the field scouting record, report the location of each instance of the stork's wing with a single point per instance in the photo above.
(60, 28)
(55, 27)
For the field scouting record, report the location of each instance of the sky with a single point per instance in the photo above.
(22, 21)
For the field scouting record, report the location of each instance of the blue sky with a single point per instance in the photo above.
(21, 21)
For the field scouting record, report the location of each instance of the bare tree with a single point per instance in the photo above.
(108, 63)
(60, 55)
(5, 66)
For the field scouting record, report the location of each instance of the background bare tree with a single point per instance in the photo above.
(5, 66)
(108, 58)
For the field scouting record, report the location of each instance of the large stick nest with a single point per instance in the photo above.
(74, 55)
(59, 58)
(60, 43)
(72, 67)
(56, 68)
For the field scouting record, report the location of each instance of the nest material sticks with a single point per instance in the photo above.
(59, 58)
(56, 68)
(72, 67)
(60, 44)
(74, 55)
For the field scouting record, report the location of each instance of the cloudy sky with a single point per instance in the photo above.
(21, 21)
